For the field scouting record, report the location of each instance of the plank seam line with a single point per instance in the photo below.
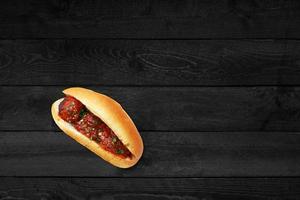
(159, 177)
(153, 86)
(150, 38)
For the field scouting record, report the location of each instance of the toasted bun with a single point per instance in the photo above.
(113, 115)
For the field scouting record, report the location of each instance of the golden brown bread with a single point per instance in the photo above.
(113, 115)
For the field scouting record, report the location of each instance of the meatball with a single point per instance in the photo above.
(70, 108)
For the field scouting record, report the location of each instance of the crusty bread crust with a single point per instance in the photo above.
(112, 114)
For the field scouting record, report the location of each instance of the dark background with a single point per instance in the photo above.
(213, 87)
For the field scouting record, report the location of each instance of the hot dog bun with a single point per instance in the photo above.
(113, 115)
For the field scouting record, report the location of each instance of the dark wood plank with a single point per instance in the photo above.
(167, 154)
(144, 62)
(150, 188)
(167, 108)
(149, 19)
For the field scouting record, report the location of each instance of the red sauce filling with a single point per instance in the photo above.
(73, 111)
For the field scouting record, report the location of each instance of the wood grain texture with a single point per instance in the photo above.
(154, 62)
(167, 108)
(149, 19)
(159, 59)
(150, 188)
(167, 154)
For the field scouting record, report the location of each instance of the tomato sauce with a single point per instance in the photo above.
(73, 111)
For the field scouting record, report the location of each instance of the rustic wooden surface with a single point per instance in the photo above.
(174, 154)
(167, 108)
(150, 19)
(213, 87)
(150, 62)
(149, 188)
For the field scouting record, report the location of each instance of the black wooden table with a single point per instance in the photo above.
(213, 87)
